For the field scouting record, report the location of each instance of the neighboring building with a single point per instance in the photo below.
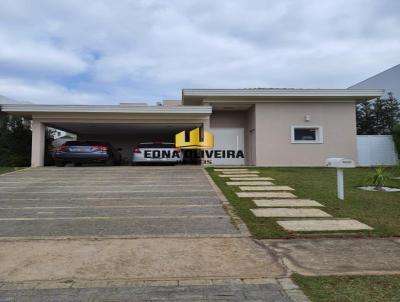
(388, 80)
(273, 127)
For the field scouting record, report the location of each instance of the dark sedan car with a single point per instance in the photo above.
(82, 152)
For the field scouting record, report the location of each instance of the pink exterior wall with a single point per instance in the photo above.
(273, 133)
(228, 119)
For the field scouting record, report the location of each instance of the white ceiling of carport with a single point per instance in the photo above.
(104, 128)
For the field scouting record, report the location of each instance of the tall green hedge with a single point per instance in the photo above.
(396, 138)
(16, 142)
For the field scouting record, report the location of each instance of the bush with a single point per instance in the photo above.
(379, 178)
(396, 138)
(16, 142)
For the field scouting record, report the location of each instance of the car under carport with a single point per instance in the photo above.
(123, 125)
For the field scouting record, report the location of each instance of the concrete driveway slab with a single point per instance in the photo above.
(125, 233)
(233, 292)
(339, 256)
(117, 225)
(111, 201)
(140, 259)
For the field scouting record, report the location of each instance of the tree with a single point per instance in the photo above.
(396, 138)
(378, 116)
(16, 142)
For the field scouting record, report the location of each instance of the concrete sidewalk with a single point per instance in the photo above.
(338, 256)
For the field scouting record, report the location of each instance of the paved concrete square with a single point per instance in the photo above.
(249, 183)
(266, 194)
(237, 178)
(289, 212)
(266, 188)
(323, 225)
(111, 201)
(286, 203)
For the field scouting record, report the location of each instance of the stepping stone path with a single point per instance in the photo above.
(273, 203)
(288, 212)
(241, 172)
(249, 183)
(265, 188)
(285, 204)
(323, 225)
(239, 175)
(230, 170)
(266, 194)
(236, 178)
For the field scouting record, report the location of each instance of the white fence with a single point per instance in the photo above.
(376, 150)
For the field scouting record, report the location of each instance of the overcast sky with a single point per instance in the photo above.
(88, 51)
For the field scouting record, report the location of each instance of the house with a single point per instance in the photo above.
(273, 127)
(388, 80)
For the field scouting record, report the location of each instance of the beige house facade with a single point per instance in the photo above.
(273, 127)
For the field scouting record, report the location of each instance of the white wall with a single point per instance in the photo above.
(228, 139)
(376, 150)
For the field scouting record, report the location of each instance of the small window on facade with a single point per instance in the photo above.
(307, 134)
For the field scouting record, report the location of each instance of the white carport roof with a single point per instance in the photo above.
(31, 109)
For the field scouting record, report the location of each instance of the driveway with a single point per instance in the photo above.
(113, 233)
(111, 201)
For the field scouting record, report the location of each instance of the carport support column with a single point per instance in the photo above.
(206, 127)
(38, 143)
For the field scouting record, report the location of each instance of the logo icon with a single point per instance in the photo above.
(195, 141)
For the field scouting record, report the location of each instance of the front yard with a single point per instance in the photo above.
(350, 288)
(376, 209)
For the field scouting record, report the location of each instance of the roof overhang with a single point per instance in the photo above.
(249, 96)
(29, 110)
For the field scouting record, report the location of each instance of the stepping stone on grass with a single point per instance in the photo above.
(230, 170)
(266, 194)
(271, 203)
(249, 183)
(236, 178)
(241, 172)
(323, 225)
(289, 212)
(238, 175)
(266, 188)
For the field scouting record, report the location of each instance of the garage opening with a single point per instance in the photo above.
(127, 136)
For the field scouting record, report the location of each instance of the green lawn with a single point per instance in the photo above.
(377, 209)
(8, 169)
(350, 288)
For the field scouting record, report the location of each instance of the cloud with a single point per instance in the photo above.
(102, 51)
(42, 92)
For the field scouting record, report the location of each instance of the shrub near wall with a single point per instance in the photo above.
(396, 138)
(16, 142)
